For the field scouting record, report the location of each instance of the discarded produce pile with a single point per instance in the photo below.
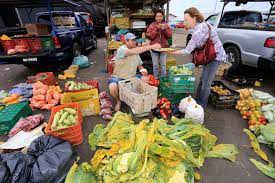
(150, 151)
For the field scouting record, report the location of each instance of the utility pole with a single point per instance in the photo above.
(167, 11)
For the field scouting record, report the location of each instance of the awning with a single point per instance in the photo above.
(36, 3)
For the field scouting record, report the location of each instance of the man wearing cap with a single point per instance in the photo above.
(126, 64)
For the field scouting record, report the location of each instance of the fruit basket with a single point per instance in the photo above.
(223, 97)
(46, 78)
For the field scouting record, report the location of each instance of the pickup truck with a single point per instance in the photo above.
(246, 39)
(69, 41)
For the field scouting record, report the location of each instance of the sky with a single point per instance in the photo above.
(177, 7)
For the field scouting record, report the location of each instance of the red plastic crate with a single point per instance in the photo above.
(7, 45)
(49, 80)
(92, 83)
(35, 44)
(72, 134)
(22, 42)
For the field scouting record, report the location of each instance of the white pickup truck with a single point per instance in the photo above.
(246, 39)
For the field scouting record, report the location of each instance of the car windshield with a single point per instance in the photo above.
(239, 18)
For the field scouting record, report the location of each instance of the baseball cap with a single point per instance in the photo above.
(129, 36)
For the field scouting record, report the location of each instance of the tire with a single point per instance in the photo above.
(234, 57)
(94, 42)
(76, 49)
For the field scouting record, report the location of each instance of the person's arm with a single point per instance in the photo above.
(199, 37)
(152, 32)
(139, 50)
(167, 31)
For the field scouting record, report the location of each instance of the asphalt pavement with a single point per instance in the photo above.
(227, 125)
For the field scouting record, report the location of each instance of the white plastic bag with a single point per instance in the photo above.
(196, 113)
(185, 103)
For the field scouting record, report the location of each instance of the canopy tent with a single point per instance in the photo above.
(239, 2)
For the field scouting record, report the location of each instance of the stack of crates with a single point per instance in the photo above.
(177, 86)
(11, 114)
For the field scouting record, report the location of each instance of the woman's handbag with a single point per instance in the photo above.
(206, 54)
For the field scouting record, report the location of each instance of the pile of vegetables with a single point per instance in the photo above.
(74, 86)
(250, 109)
(153, 81)
(69, 73)
(45, 97)
(65, 118)
(266, 135)
(164, 107)
(151, 151)
(182, 70)
(11, 99)
(220, 90)
(24, 90)
(268, 170)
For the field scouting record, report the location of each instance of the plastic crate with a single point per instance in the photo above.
(92, 83)
(74, 133)
(223, 101)
(11, 114)
(22, 42)
(35, 44)
(88, 101)
(7, 45)
(184, 87)
(47, 43)
(49, 80)
(139, 96)
(174, 98)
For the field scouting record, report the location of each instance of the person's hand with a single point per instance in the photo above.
(164, 26)
(144, 72)
(155, 46)
(178, 52)
(159, 26)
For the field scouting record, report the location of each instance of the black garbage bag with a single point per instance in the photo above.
(53, 159)
(15, 167)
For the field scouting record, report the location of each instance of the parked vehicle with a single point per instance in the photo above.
(69, 41)
(87, 17)
(180, 24)
(246, 39)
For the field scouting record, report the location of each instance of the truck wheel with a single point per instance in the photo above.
(94, 42)
(76, 49)
(234, 57)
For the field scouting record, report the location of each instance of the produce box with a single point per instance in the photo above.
(47, 42)
(167, 92)
(141, 97)
(122, 22)
(223, 97)
(88, 101)
(11, 114)
(178, 87)
(46, 78)
(182, 76)
(113, 45)
(35, 44)
(37, 29)
(7, 45)
(74, 133)
(93, 84)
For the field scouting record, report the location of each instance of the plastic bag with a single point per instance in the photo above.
(196, 113)
(185, 103)
(82, 61)
(15, 167)
(53, 156)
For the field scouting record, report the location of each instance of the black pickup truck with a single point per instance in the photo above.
(68, 41)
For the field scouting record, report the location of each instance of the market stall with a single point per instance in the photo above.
(132, 17)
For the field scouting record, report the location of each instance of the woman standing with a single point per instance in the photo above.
(194, 22)
(159, 32)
